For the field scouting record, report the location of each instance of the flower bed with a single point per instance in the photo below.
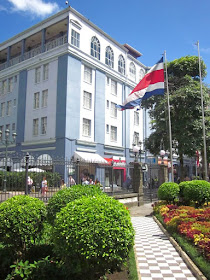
(194, 224)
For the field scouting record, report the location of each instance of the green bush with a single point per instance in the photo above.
(182, 186)
(168, 191)
(92, 235)
(66, 195)
(197, 191)
(21, 221)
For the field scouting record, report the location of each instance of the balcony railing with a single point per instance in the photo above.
(34, 52)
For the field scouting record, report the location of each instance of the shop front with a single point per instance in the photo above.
(115, 172)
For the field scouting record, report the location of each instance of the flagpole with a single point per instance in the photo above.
(203, 118)
(169, 120)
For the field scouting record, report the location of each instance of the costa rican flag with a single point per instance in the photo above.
(151, 84)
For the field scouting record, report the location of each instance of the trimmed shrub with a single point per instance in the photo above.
(21, 221)
(93, 235)
(197, 191)
(182, 186)
(168, 191)
(66, 195)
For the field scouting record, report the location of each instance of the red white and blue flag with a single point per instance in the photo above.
(151, 84)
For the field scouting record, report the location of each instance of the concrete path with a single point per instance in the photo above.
(156, 257)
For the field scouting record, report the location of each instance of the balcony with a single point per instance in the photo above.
(35, 51)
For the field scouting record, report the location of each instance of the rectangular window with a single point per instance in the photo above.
(136, 138)
(107, 104)
(2, 109)
(113, 133)
(44, 125)
(4, 87)
(136, 118)
(87, 100)
(45, 72)
(113, 87)
(44, 98)
(2, 130)
(35, 127)
(75, 38)
(9, 107)
(13, 126)
(113, 110)
(107, 129)
(8, 126)
(10, 84)
(88, 75)
(37, 75)
(36, 100)
(86, 130)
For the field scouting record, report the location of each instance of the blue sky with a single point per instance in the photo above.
(149, 26)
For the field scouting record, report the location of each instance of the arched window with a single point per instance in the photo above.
(132, 71)
(109, 57)
(121, 65)
(141, 74)
(95, 48)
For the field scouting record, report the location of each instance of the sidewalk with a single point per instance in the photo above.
(157, 259)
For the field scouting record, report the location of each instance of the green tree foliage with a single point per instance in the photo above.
(185, 105)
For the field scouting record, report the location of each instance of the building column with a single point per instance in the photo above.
(23, 49)
(163, 174)
(8, 55)
(43, 39)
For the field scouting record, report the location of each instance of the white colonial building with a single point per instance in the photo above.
(59, 83)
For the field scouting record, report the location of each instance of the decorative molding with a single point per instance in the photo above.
(85, 143)
(113, 148)
(39, 149)
(39, 142)
(86, 150)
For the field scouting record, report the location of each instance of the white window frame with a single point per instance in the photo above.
(9, 108)
(44, 98)
(10, 84)
(113, 110)
(36, 100)
(132, 71)
(2, 114)
(86, 127)
(87, 100)
(113, 134)
(45, 72)
(43, 125)
(75, 38)
(136, 118)
(121, 65)
(95, 48)
(109, 57)
(4, 87)
(37, 75)
(35, 127)
(136, 138)
(87, 74)
(113, 87)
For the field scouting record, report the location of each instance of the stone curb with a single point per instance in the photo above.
(137, 265)
(195, 270)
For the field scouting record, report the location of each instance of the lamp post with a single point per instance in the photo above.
(162, 154)
(6, 141)
(137, 150)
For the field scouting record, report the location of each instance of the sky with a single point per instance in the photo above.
(149, 26)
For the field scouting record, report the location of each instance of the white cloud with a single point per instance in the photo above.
(35, 7)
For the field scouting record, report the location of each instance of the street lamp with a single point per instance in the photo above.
(6, 143)
(162, 154)
(137, 150)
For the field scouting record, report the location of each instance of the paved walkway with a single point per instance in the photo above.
(157, 258)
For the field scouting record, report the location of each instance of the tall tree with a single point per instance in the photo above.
(185, 107)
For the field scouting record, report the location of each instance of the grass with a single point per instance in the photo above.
(133, 275)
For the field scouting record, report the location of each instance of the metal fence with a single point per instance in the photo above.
(27, 176)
